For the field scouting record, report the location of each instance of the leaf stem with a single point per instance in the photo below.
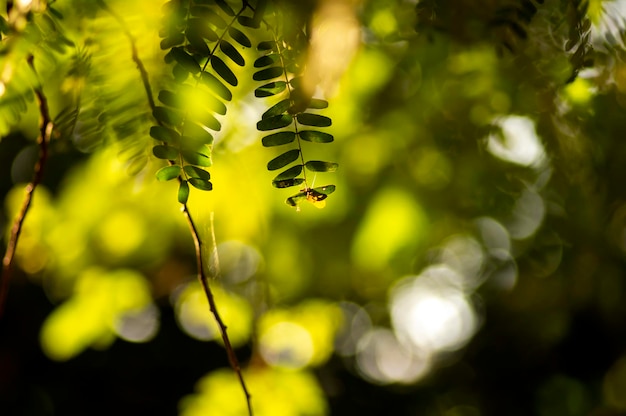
(45, 132)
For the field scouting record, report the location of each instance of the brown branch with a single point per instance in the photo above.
(45, 131)
(202, 277)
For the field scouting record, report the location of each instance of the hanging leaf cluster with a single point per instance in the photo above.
(203, 40)
(290, 120)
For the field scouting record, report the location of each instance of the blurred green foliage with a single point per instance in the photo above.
(470, 261)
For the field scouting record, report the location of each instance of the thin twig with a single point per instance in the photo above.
(202, 277)
(45, 131)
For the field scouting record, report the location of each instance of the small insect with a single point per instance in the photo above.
(316, 196)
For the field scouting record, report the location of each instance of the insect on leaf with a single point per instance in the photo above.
(168, 173)
(283, 160)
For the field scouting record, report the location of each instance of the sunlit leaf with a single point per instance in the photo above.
(196, 172)
(201, 184)
(283, 160)
(268, 73)
(169, 98)
(216, 86)
(183, 192)
(167, 116)
(230, 51)
(326, 189)
(196, 158)
(277, 109)
(270, 89)
(165, 152)
(198, 133)
(168, 173)
(315, 136)
(266, 60)
(273, 123)
(223, 71)
(278, 139)
(164, 134)
(290, 173)
(239, 37)
(318, 104)
(185, 60)
(201, 28)
(208, 120)
(320, 166)
(287, 183)
(313, 120)
(294, 200)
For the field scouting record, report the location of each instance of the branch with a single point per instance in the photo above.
(232, 357)
(45, 131)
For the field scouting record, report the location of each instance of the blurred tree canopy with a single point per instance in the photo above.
(469, 258)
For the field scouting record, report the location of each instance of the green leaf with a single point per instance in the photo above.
(164, 134)
(173, 40)
(225, 7)
(318, 104)
(185, 60)
(268, 73)
(196, 42)
(216, 86)
(248, 22)
(230, 51)
(198, 133)
(320, 166)
(294, 200)
(165, 152)
(266, 60)
(315, 120)
(326, 189)
(201, 184)
(273, 123)
(201, 28)
(283, 160)
(267, 45)
(288, 183)
(180, 74)
(168, 173)
(278, 139)
(277, 109)
(239, 37)
(167, 115)
(209, 15)
(183, 192)
(202, 97)
(169, 98)
(315, 136)
(206, 119)
(196, 172)
(223, 71)
(290, 173)
(196, 158)
(270, 89)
